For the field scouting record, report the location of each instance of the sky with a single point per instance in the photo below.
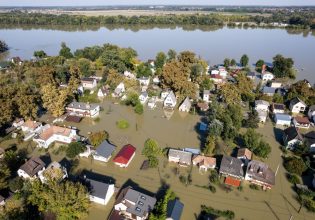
(151, 2)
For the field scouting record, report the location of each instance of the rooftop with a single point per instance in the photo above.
(82, 106)
(244, 152)
(97, 189)
(174, 209)
(49, 130)
(105, 149)
(32, 166)
(184, 156)
(125, 154)
(232, 166)
(261, 172)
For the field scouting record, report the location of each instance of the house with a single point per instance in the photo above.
(217, 79)
(164, 94)
(292, 137)
(204, 162)
(301, 122)
(244, 154)
(232, 167)
(311, 112)
(203, 106)
(206, 96)
(89, 151)
(100, 192)
(156, 80)
(185, 106)
(297, 105)
(262, 116)
(261, 105)
(174, 210)
(170, 101)
(132, 204)
(260, 174)
(18, 122)
(54, 171)
(143, 97)
(129, 75)
(223, 73)
(89, 83)
(181, 157)
(266, 76)
(119, 91)
(125, 156)
(83, 109)
(310, 140)
(276, 84)
(277, 108)
(152, 102)
(269, 91)
(31, 168)
(52, 133)
(251, 75)
(282, 119)
(31, 126)
(215, 72)
(144, 81)
(16, 60)
(104, 151)
(103, 91)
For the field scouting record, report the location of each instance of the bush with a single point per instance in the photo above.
(139, 109)
(122, 124)
(74, 149)
(292, 178)
(96, 138)
(151, 148)
(16, 184)
(212, 189)
(153, 162)
(214, 177)
(98, 119)
(183, 179)
(294, 165)
(227, 214)
(254, 187)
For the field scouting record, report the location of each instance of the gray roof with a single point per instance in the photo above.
(296, 100)
(232, 166)
(184, 157)
(172, 96)
(292, 133)
(282, 117)
(261, 172)
(105, 149)
(32, 166)
(186, 102)
(269, 90)
(174, 209)
(251, 74)
(143, 203)
(98, 189)
(261, 102)
(312, 108)
(82, 106)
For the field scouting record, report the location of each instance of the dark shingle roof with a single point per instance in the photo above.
(32, 166)
(261, 172)
(292, 133)
(105, 149)
(231, 165)
(296, 100)
(97, 189)
(174, 209)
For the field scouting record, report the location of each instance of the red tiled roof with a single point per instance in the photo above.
(232, 182)
(125, 154)
(302, 120)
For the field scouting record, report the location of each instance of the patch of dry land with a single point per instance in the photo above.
(179, 132)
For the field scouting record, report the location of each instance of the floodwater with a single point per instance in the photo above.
(213, 44)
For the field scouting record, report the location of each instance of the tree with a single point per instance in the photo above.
(230, 93)
(113, 78)
(187, 58)
(16, 184)
(245, 87)
(54, 100)
(40, 54)
(244, 60)
(4, 176)
(252, 121)
(151, 148)
(206, 83)
(283, 67)
(196, 71)
(65, 51)
(215, 128)
(294, 165)
(143, 70)
(3, 46)
(160, 210)
(160, 60)
(253, 141)
(227, 62)
(259, 64)
(67, 200)
(84, 66)
(171, 55)
(233, 62)
(139, 108)
(74, 149)
(96, 138)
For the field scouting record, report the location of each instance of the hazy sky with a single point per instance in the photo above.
(151, 2)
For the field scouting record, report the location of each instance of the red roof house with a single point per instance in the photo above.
(125, 155)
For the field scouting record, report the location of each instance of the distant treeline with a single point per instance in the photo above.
(300, 20)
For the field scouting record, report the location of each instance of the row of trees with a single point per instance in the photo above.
(3, 46)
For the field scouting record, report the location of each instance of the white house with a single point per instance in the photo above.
(206, 95)
(311, 112)
(31, 126)
(282, 119)
(89, 83)
(100, 192)
(297, 105)
(143, 97)
(170, 100)
(292, 138)
(54, 170)
(164, 94)
(262, 115)
(52, 133)
(144, 81)
(104, 151)
(83, 109)
(156, 80)
(129, 75)
(103, 91)
(276, 84)
(152, 102)
(132, 204)
(261, 105)
(223, 73)
(266, 76)
(18, 122)
(215, 72)
(119, 91)
(31, 168)
(185, 106)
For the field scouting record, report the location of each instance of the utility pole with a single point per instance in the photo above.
(277, 169)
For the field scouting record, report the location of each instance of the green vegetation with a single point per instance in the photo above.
(40, 54)
(96, 138)
(301, 90)
(306, 199)
(133, 100)
(244, 60)
(252, 120)
(160, 210)
(283, 67)
(254, 187)
(122, 124)
(253, 141)
(65, 51)
(208, 210)
(4, 176)
(152, 150)
(3, 46)
(74, 149)
(294, 165)
(294, 179)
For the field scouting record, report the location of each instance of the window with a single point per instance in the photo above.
(142, 197)
(140, 203)
(138, 209)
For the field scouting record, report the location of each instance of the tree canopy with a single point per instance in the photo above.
(3, 46)
(283, 67)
